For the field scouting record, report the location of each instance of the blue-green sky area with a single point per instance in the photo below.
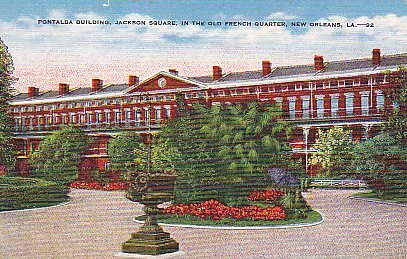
(206, 10)
(46, 54)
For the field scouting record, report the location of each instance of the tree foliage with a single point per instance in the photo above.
(396, 124)
(333, 147)
(7, 151)
(382, 161)
(226, 149)
(121, 150)
(59, 155)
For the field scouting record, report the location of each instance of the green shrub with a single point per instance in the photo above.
(59, 155)
(23, 193)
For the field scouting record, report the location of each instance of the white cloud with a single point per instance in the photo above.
(47, 54)
(281, 16)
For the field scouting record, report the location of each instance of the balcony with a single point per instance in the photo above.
(96, 126)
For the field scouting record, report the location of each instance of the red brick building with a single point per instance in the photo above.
(350, 93)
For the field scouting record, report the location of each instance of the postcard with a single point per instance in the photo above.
(203, 129)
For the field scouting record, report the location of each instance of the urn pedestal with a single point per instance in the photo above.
(151, 190)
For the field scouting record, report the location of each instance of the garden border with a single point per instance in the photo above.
(40, 208)
(386, 202)
(300, 225)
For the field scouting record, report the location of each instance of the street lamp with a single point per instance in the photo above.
(305, 130)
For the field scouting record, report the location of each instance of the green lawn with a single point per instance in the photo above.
(396, 198)
(312, 216)
(33, 205)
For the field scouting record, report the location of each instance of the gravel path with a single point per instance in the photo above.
(95, 223)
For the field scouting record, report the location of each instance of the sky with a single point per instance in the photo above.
(46, 54)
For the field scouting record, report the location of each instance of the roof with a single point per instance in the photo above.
(331, 67)
(81, 91)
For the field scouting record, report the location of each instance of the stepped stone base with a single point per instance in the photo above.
(150, 244)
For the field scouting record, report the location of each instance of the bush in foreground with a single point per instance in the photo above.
(24, 193)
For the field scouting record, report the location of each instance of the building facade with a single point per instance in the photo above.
(348, 93)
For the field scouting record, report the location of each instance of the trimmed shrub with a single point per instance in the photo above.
(24, 193)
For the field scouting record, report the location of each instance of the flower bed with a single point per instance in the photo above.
(94, 185)
(215, 210)
(267, 195)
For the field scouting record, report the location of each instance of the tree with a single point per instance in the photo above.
(382, 161)
(333, 147)
(396, 124)
(225, 149)
(59, 155)
(7, 151)
(162, 156)
(121, 150)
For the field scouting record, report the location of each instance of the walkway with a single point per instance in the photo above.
(95, 223)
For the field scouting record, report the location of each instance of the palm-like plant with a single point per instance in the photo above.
(249, 137)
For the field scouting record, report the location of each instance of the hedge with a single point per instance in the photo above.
(24, 193)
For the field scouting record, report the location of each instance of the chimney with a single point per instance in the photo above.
(133, 80)
(266, 67)
(63, 88)
(376, 57)
(173, 71)
(217, 73)
(33, 91)
(318, 62)
(96, 84)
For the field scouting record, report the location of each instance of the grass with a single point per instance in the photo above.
(34, 205)
(390, 197)
(312, 216)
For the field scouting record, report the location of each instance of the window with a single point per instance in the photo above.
(31, 126)
(334, 105)
(89, 119)
(98, 118)
(305, 106)
(18, 122)
(82, 118)
(107, 117)
(39, 123)
(147, 116)
(30, 109)
(333, 84)
(200, 95)
(379, 100)
(127, 115)
(117, 115)
(158, 114)
(364, 99)
(188, 96)
(168, 112)
(291, 107)
(320, 106)
(137, 116)
(107, 166)
(348, 83)
(349, 103)
(72, 119)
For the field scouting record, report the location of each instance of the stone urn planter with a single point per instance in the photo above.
(151, 189)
